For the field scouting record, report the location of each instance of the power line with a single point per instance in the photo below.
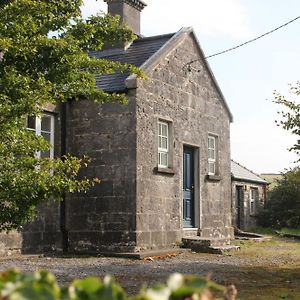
(252, 40)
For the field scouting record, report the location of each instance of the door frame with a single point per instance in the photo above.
(196, 167)
(239, 205)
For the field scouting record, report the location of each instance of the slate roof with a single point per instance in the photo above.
(144, 53)
(242, 173)
(136, 54)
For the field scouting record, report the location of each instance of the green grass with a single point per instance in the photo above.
(263, 230)
(273, 271)
(277, 247)
(271, 231)
(290, 231)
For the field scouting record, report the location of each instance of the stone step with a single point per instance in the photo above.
(224, 249)
(209, 245)
(205, 241)
(193, 232)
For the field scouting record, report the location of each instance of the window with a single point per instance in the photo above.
(212, 155)
(43, 125)
(253, 199)
(163, 144)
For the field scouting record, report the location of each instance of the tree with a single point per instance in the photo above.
(290, 115)
(44, 59)
(283, 206)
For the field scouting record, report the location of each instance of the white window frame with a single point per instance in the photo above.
(38, 131)
(253, 198)
(163, 151)
(212, 160)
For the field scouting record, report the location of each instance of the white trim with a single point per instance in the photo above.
(212, 160)
(253, 198)
(163, 151)
(38, 131)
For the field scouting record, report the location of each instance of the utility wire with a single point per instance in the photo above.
(252, 40)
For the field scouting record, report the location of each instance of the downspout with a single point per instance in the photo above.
(63, 143)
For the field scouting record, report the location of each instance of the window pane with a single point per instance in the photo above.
(211, 168)
(164, 143)
(164, 159)
(213, 143)
(159, 142)
(46, 123)
(209, 142)
(31, 123)
(164, 130)
(46, 136)
(211, 154)
(159, 128)
(45, 153)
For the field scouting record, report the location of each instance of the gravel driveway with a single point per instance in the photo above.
(132, 274)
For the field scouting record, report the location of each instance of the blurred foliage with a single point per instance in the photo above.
(42, 285)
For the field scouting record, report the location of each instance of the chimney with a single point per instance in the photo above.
(129, 12)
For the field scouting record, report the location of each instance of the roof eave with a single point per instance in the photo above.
(248, 180)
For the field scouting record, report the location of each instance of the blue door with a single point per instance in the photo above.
(238, 205)
(188, 187)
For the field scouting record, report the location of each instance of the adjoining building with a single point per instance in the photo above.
(248, 196)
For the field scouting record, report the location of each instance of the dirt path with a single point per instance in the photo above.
(269, 270)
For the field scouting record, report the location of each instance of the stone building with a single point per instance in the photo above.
(248, 196)
(164, 159)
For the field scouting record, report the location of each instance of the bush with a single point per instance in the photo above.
(41, 285)
(283, 205)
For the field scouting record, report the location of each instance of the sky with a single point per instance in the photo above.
(247, 76)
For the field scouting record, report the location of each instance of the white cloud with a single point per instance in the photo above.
(211, 17)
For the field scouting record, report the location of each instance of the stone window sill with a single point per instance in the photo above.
(213, 178)
(169, 171)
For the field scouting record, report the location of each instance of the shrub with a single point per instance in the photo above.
(15, 285)
(283, 205)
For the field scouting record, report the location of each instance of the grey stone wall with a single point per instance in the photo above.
(43, 234)
(189, 101)
(10, 243)
(248, 221)
(104, 218)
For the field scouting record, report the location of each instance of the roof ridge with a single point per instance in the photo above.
(153, 37)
